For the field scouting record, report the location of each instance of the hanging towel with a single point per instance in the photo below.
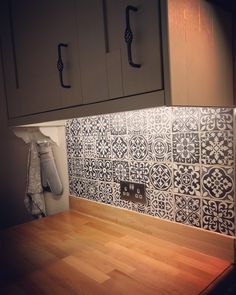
(34, 198)
(50, 178)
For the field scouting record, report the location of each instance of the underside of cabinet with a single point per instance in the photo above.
(146, 100)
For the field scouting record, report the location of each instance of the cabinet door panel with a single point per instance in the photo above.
(92, 50)
(37, 28)
(146, 44)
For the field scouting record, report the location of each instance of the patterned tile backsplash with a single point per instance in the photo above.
(184, 156)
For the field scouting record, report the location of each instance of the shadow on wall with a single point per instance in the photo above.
(13, 161)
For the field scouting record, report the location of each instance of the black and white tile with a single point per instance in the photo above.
(185, 120)
(219, 119)
(73, 128)
(118, 124)
(89, 147)
(137, 122)
(159, 120)
(160, 147)
(187, 179)
(88, 126)
(183, 155)
(217, 148)
(218, 216)
(161, 204)
(103, 147)
(161, 176)
(90, 168)
(119, 147)
(104, 172)
(102, 125)
(188, 210)
(139, 172)
(79, 187)
(218, 183)
(76, 167)
(75, 147)
(91, 191)
(186, 148)
(105, 192)
(138, 147)
(120, 171)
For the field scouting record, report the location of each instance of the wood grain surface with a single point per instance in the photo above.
(74, 253)
(207, 242)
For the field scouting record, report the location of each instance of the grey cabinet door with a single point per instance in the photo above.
(143, 17)
(30, 50)
(92, 50)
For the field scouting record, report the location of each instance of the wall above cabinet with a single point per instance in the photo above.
(114, 56)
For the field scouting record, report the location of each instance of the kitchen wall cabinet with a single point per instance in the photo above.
(142, 70)
(95, 60)
(184, 49)
(30, 53)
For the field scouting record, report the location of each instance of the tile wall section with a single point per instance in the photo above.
(185, 157)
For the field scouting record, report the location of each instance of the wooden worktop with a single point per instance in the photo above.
(73, 253)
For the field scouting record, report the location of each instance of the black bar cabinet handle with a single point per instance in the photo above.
(129, 35)
(60, 65)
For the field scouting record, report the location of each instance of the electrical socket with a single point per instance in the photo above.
(135, 192)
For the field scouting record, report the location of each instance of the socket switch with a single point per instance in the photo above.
(135, 192)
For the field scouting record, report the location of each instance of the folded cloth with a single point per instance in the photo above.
(34, 198)
(50, 178)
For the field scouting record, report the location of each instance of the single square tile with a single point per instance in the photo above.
(73, 127)
(118, 124)
(120, 171)
(188, 210)
(136, 122)
(138, 147)
(103, 147)
(218, 119)
(102, 125)
(89, 146)
(88, 126)
(80, 187)
(139, 172)
(159, 147)
(74, 146)
(90, 168)
(161, 204)
(105, 192)
(159, 120)
(119, 147)
(217, 148)
(104, 170)
(92, 190)
(187, 179)
(75, 167)
(218, 217)
(185, 119)
(161, 176)
(218, 183)
(186, 148)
